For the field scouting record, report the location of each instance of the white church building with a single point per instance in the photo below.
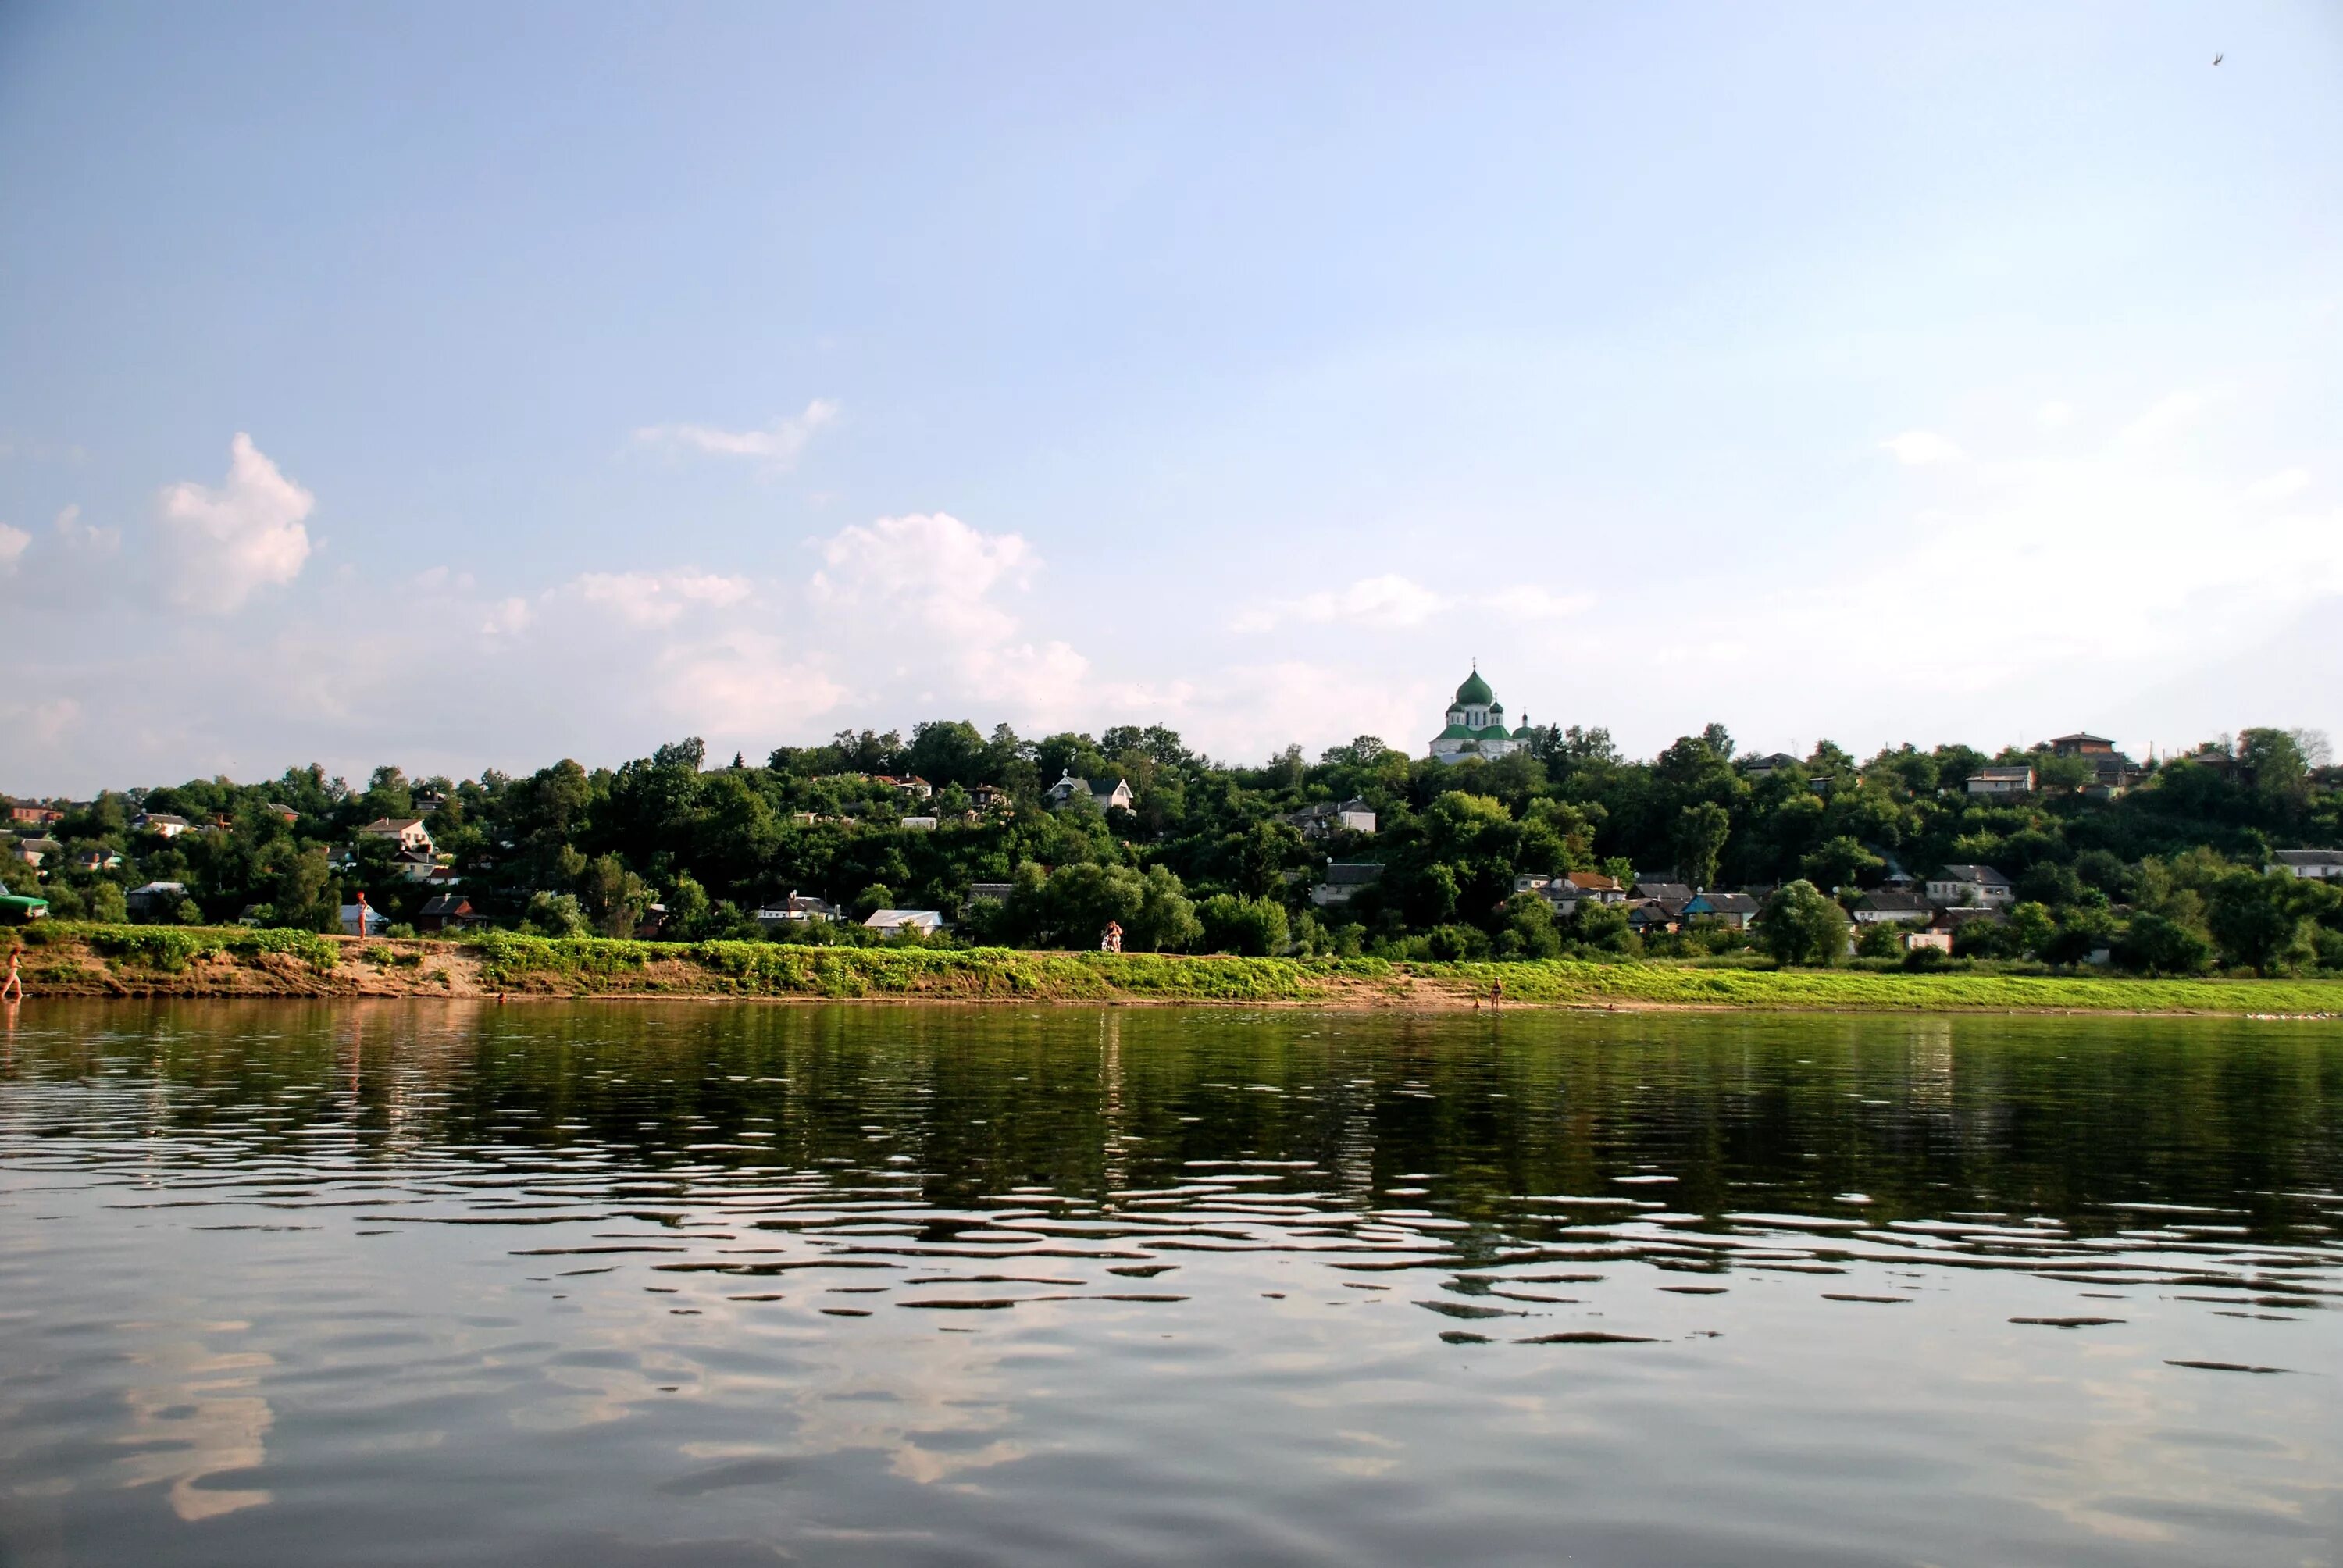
(1477, 726)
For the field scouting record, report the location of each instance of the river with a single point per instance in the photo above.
(704, 1285)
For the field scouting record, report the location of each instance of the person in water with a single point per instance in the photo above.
(13, 987)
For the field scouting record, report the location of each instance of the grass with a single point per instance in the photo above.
(588, 966)
(173, 949)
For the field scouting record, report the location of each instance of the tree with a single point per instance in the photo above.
(1800, 925)
(1700, 833)
(1166, 921)
(687, 907)
(1602, 929)
(556, 915)
(303, 895)
(2030, 929)
(1839, 862)
(2155, 945)
(2263, 919)
(1255, 926)
(1527, 929)
(615, 898)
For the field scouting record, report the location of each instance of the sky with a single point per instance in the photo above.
(462, 387)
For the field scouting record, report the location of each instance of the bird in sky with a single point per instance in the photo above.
(2216, 59)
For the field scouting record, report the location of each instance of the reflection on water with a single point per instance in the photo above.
(740, 1284)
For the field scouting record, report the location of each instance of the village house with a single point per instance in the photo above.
(2112, 772)
(1106, 796)
(416, 865)
(161, 823)
(154, 898)
(987, 797)
(795, 908)
(33, 814)
(1970, 887)
(1733, 912)
(1662, 892)
(2002, 781)
(100, 859)
(1343, 881)
(33, 851)
(447, 913)
(917, 787)
(1477, 726)
(1773, 762)
(923, 922)
(2318, 865)
(406, 832)
(1595, 885)
(1646, 917)
(1891, 904)
(988, 892)
(1327, 818)
(919, 824)
(283, 813)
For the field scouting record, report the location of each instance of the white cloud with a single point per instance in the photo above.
(229, 543)
(777, 445)
(86, 538)
(1533, 601)
(1918, 448)
(2278, 487)
(2054, 416)
(2167, 418)
(1390, 600)
(14, 542)
(507, 617)
(933, 568)
(744, 685)
(645, 600)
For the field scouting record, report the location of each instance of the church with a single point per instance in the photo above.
(1477, 726)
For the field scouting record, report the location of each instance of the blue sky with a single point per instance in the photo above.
(467, 387)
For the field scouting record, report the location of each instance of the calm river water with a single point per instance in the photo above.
(690, 1285)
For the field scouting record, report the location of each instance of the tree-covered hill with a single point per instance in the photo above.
(2167, 875)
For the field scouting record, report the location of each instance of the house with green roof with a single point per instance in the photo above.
(1477, 726)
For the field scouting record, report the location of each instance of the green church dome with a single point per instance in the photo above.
(1475, 691)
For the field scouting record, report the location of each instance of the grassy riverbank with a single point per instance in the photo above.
(195, 961)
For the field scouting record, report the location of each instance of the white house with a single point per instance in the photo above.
(1970, 887)
(1477, 726)
(1106, 796)
(919, 824)
(2002, 781)
(926, 922)
(406, 832)
(160, 822)
(2320, 865)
